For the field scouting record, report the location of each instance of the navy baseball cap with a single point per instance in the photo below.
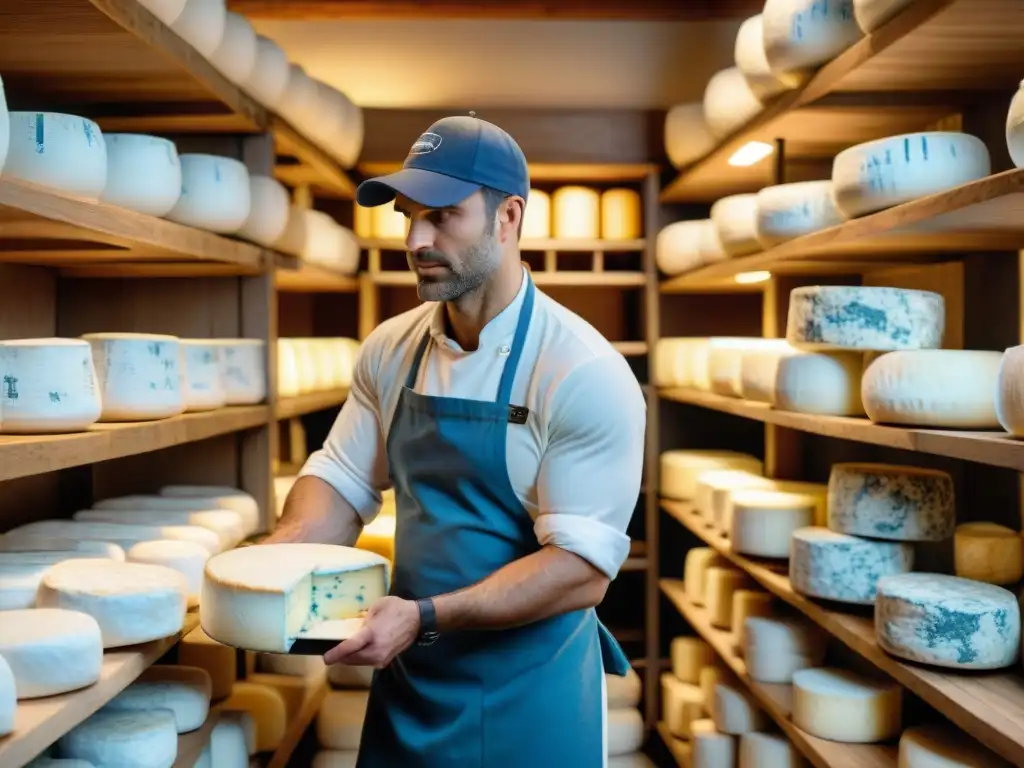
(449, 162)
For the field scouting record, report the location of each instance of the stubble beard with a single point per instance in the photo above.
(477, 264)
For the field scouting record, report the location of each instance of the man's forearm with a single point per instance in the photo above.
(316, 513)
(546, 583)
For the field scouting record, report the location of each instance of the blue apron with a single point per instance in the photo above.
(528, 697)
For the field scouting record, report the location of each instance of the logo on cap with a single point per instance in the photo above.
(428, 142)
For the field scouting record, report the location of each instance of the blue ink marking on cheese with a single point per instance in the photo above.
(906, 150)
(924, 147)
(87, 130)
(40, 134)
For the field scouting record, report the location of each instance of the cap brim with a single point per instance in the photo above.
(434, 190)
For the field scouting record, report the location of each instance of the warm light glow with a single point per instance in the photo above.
(750, 153)
(745, 278)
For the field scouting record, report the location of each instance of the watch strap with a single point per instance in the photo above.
(428, 621)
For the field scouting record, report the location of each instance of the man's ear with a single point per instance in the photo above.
(510, 215)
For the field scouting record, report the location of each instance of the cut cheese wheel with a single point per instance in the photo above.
(735, 711)
(785, 211)
(344, 676)
(537, 217)
(745, 604)
(625, 731)
(872, 14)
(714, 489)
(8, 698)
(1010, 391)
(763, 520)
(144, 739)
(729, 102)
(759, 370)
(864, 318)
(227, 525)
(948, 621)
(269, 206)
(214, 193)
(51, 651)
(1015, 127)
(124, 535)
(760, 750)
(197, 649)
(689, 656)
(801, 35)
(883, 501)
(687, 134)
(143, 173)
(63, 153)
(267, 708)
(988, 552)
(576, 213)
(775, 648)
(680, 469)
(335, 758)
(750, 58)
(203, 389)
(339, 725)
(681, 704)
(698, 561)
(262, 598)
(878, 174)
(183, 690)
(268, 79)
(623, 691)
(138, 374)
(678, 246)
(941, 746)
(844, 568)
(620, 214)
(711, 748)
(719, 586)
(820, 383)
(937, 388)
(735, 220)
(201, 24)
(235, 55)
(840, 705)
(185, 557)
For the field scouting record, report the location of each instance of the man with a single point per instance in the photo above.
(513, 435)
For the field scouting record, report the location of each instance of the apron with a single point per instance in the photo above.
(527, 697)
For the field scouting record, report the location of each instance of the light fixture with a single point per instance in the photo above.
(750, 153)
(746, 278)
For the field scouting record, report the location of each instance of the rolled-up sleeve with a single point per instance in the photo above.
(591, 469)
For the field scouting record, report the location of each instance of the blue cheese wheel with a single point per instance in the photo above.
(865, 318)
(883, 501)
(947, 621)
(834, 566)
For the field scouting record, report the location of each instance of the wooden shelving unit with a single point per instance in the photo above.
(309, 278)
(192, 744)
(290, 407)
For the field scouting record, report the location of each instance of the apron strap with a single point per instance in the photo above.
(410, 379)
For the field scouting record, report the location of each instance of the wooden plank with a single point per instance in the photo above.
(987, 705)
(23, 455)
(290, 407)
(296, 728)
(631, 348)
(529, 246)
(569, 279)
(997, 449)
(309, 278)
(192, 744)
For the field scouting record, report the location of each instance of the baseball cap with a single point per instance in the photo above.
(450, 161)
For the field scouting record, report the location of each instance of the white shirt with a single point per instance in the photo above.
(575, 465)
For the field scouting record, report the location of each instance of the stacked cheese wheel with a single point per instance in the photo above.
(306, 365)
(339, 724)
(576, 212)
(624, 723)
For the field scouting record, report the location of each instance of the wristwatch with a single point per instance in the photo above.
(428, 622)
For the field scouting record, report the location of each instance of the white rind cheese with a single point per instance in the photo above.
(941, 746)
(947, 621)
(83, 548)
(879, 174)
(132, 603)
(681, 704)
(1015, 128)
(124, 535)
(689, 656)
(625, 731)
(735, 219)
(183, 690)
(764, 520)
(192, 499)
(988, 552)
(185, 557)
(678, 246)
(51, 651)
(143, 173)
(63, 153)
(225, 523)
(244, 375)
(139, 375)
(747, 603)
(776, 648)
(695, 568)
(8, 698)
(231, 743)
(1010, 391)
(748, 53)
(687, 135)
(735, 711)
(720, 584)
(768, 750)
(711, 749)
(863, 318)
(801, 35)
(729, 101)
(785, 211)
(261, 598)
(623, 691)
(203, 388)
(834, 566)
(339, 725)
(882, 501)
(714, 489)
(759, 370)
(840, 705)
(139, 739)
(820, 383)
(680, 469)
(214, 195)
(268, 80)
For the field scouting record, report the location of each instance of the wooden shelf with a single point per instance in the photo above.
(558, 278)
(309, 278)
(290, 407)
(987, 705)
(776, 698)
(631, 348)
(192, 744)
(678, 748)
(23, 455)
(997, 449)
(533, 246)
(40, 722)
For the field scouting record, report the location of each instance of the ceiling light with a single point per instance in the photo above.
(745, 278)
(750, 153)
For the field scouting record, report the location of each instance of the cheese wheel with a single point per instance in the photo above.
(268, 79)
(688, 136)
(1014, 128)
(864, 318)
(681, 704)
(48, 386)
(801, 35)
(729, 102)
(293, 240)
(878, 174)
(844, 568)
(248, 603)
(759, 750)
(50, 651)
(576, 213)
(183, 690)
(840, 705)
(776, 648)
(940, 746)
(623, 691)
(537, 217)
(197, 496)
(679, 469)
(763, 520)
(678, 246)
(735, 711)
(202, 24)
(124, 535)
(625, 728)
(214, 193)
(269, 206)
(710, 676)
(948, 621)
(71, 546)
(711, 748)
(197, 649)
(63, 153)
(235, 55)
(714, 489)
(1010, 391)
(698, 561)
(620, 214)
(388, 223)
(335, 758)
(689, 655)
(747, 603)
(785, 211)
(232, 740)
(227, 525)
(344, 676)
(143, 173)
(21, 573)
(668, 367)
(883, 501)
(349, 146)
(8, 698)
(301, 99)
(988, 552)
(933, 388)
(720, 584)
(133, 603)
(166, 10)
(266, 706)
(139, 375)
(750, 58)
(735, 220)
(872, 14)
(185, 557)
(339, 725)
(142, 739)
(202, 388)
(821, 383)
(759, 369)
(725, 360)
(244, 373)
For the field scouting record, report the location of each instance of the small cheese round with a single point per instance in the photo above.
(236, 723)
(340, 722)
(143, 173)
(235, 55)
(748, 53)
(745, 604)
(225, 523)
(335, 758)
(947, 621)
(800, 35)
(201, 24)
(689, 656)
(729, 101)
(140, 739)
(695, 568)
(183, 690)
(681, 704)
(775, 648)
(785, 211)
(759, 370)
(679, 469)
(714, 489)
(710, 747)
(268, 80)
(687, 134)
(8, 698)
(735, 711)
(988, 552)
(763, 521)
(720, 584)
(203, 389)
(63, 153)
(620, 214)
(267, 708)
(138, 374)
(576, 213)
(625, 731)
(678, 246)
(820, 383)
(623, 691)
(844, 568)
(50, 651)
(133, 603)
(760, 750)
(536, 218)
(215, 193)
(735, 219)
(940, 746)
(269, 206)
(185, 557)
(840, 705)
(937, 388)
(1010, 391)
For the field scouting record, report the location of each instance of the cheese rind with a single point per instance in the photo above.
(623, 691)
(735, 219)
(8, 698)
(226, 524)
(947, 621)
(185, 557)
(840, 705)
(678, 246)
(759, 371)
(748, 53)
(185, 691)
(687, 135)
(729, 101)
(735, 711)
(988, 552)
(800, 35)
(266, 706)
(719, 587)
(124, 535)
(139, 739)
(939, 746)
(776, 648)
(760, 750)
(698, 561)
(835, 566)
(714, 489)
(51, 651)
(745, 604)
(139, 375)
(785, 211)
(711, 748)
(763, 521)
(340, 722)
(820, 383)
(1010, 391)
(679, 469)
(689, 656)
(681, 704)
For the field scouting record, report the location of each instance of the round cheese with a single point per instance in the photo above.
(201, 24)
(50, 651)
(933, 388)
(710, 246)
(689, 655)
(8, 698)
(759, 369)
(167, 11)
(785, 211)
(710, 676)
(735, 221)
(988, 552)
(335, 758)
(214, 193)
(202, 388)
(840, 705)
(714, 489)
(124, 535)
(1010, 391)
(1014, 128)
(143, 173)
(822, 383)
(197, 649)
(681, 704)
(801, 35)
(745, 604)
(878, 174)
(695, 568)
(872, 14)
(759, 750)
(623, 691)
(719, 586)
(679, 469)
(677, 247)
(226, 524)
(687, 134)
(710, 748)
(751, 60)
(776, 648)
(63, 153)
(269, 206)
(200, 497)
(48, 386)
(293, 239)
(834, 566)
(763, 520)
(388, 223)
(266, 706)
(669, 366)
(289, 379)
(268, 79)
(232, 740)
(301, 101)
(621, 214)
(940, 746)
(185, 557)
(185, 691)
(577, 213)
(140, 739)
(339, 725)
(244, 373)
(235, 55)
(71, 546)
(725, 357)
(537, 217)
(349, 145)
(729, 102)
(625, 729)
(864, 318)
(948, 621)
(138, 374)
(344, 676)
(735, 711)
(132, 603)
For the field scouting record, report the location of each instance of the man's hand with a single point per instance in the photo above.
(391, 626)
